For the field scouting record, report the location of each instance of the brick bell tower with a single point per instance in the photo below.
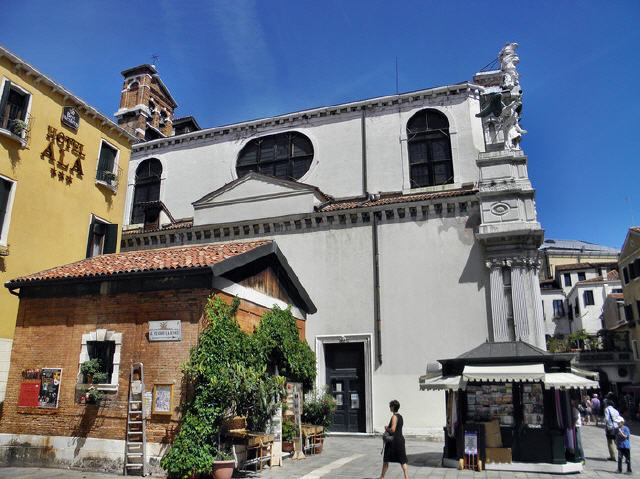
(146, 105)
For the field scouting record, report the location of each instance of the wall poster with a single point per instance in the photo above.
(162, 399)
(50, 379)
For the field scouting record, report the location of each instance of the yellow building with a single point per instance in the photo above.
(61, 162)
(630, 274)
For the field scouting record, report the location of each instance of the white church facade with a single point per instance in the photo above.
(410, 220)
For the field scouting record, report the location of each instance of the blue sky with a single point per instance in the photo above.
(242, 59)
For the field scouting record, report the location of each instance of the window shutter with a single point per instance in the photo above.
(90, 238)
(25, 106)
(3, 103)
(5, 189)
(110, 239)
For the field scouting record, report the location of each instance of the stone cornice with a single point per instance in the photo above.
(302, 223)
(294, 119)
(513, 261)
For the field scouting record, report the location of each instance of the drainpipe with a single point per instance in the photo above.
(376, 290)
(363, 131)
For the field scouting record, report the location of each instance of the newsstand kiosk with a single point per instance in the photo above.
(511, 402)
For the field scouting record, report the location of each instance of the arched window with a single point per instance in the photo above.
(133, 86)
(286, 155)
(429, 149)
(152, 106)
(147, 187)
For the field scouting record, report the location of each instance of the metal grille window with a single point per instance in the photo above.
(558, 308)
(430, 161)
(587, 297)
(147, 187)
(567, 279)
(286, 155)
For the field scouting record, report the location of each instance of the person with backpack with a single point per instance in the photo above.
(624, 445)
(611, 416)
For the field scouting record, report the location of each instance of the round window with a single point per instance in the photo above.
(285, 155)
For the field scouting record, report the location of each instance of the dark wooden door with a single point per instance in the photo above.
(345, 379)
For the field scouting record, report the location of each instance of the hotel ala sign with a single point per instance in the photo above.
(64, 154)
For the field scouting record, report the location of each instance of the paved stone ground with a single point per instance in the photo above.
(359, 458)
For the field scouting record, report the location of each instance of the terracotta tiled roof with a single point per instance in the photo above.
(392, 198)
(181, 223)
(180, 257)
(564, 267)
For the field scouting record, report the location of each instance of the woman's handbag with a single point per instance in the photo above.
(387, 437)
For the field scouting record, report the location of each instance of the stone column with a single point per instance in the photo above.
(519, 286)
(538, 316)
(498, 302)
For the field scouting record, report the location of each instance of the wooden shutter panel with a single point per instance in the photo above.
(110, 239)
(3, 103)
(90, 238)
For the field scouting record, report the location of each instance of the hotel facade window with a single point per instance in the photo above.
(582, 276)
(7, 190)
(14, 105)
(103, 237)
(147, 187)
(107, 164)
(429, 144)
(285, 155)
(567, 279)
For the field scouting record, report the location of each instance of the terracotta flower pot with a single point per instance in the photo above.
(287, 446)
(223, 469)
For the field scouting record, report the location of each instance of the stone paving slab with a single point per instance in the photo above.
(359, 458)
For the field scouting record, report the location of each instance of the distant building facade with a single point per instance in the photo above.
(630, 276)
(554, 252)
(410, 220)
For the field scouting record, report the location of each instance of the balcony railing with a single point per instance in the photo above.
(605, 356)
(16, 129)
(109, 178)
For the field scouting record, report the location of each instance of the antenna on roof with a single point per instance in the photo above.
(154, 59)
(397, 89)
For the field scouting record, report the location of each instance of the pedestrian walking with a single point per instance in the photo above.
(394, 448)
(577, 424)
(588, 407)
(595, 408)
(611, 416)
(624, 445)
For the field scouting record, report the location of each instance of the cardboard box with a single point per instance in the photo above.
(492, 435)
(498, 455)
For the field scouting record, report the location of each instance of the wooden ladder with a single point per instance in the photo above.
(135, 449)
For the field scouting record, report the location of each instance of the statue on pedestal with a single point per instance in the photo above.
(506, 105)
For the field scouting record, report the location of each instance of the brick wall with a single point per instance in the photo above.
(49, 335)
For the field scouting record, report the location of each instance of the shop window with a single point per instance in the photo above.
(146, 189)
(103, 237)
(107, 165)
(587, 298)
(286, 155)
(582, 276)
(429, 145)
(14, 105)
(567, 279)
(558, 308)
(7, 190)
(106, 346)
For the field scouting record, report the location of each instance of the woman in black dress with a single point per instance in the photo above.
(394, 450)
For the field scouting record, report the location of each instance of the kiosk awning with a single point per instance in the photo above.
(441, 383)
(508, 373)
(568, 381)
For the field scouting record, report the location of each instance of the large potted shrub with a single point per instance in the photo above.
(233, 374)
(319, 408)
(92, 373)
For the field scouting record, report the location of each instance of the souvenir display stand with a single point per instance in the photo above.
(514, 399)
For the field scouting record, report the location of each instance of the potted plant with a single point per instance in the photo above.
(289, 434)
(319, 407)
(93, 395)
(223, 465)
(18, 127)
(90, 368)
